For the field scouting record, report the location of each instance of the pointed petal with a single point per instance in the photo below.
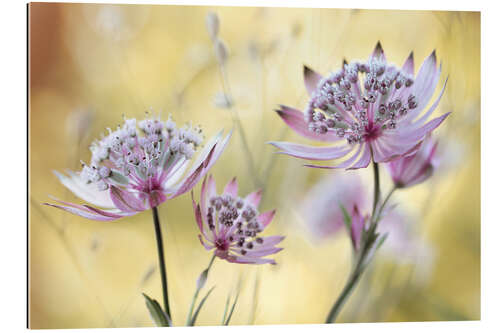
(409, 65)
(232, 188)
(378, 53)
(433, 107)
(86, 192)
(311, 152)
(263, 252)
(311, 79)
(254, 198)
(246, 260)
(358, 223)
(426, 81)
(87, 213)
(419, 133)
(197, 214)
(125, 201)
(295, 120)
(342, 165)
(269, 241)
(266, 218)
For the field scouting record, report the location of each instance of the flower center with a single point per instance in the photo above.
(234, 221)
(141, 162)
(360, 111)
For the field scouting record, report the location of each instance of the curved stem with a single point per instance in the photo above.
(161, 261)
(368, 240)
(198, 288)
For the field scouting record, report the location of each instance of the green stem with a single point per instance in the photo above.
(161, 259)
(368, 241)
(196, 293)
(384, 203)
(376, 188)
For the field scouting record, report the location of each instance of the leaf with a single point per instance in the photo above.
(159, 317)
(225, 309)
(347, 218)
(232, 309)
(382, 240)
(195, 316)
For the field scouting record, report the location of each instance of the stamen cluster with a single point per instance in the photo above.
(236, 220)
(131, 156)
(340, 105)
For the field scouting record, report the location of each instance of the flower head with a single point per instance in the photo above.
(375, 109)
(232, 225)
(133, 170)
(415, 168)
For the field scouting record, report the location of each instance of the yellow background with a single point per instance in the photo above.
(122, 60)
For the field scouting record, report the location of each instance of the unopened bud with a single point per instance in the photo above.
(202, 279)
(212, 21)
(221, 51)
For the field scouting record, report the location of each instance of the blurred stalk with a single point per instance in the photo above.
(161, 259)
(60, 232)
(255, 299)
(237, 122)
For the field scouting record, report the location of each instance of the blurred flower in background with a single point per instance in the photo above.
(415, 168)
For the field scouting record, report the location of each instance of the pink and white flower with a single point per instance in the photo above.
(231, 225)
(415, 168)
(375, 109)
(130, 172)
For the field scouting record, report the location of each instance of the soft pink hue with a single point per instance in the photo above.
(130, 172)
(321, 210)
(415, 168)
(321, 205)
(231, 224)
(374, 108)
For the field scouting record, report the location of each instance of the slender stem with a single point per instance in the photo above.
(236, 120)
(376, 187)
(366, 246)
(339, 303)
(198, 288)
(394, 188)
(161, 260)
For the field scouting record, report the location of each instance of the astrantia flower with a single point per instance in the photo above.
(376, 110)
(415, 168)
(131, 171)
(232, 225)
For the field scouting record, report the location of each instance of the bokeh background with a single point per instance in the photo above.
(91, 64)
